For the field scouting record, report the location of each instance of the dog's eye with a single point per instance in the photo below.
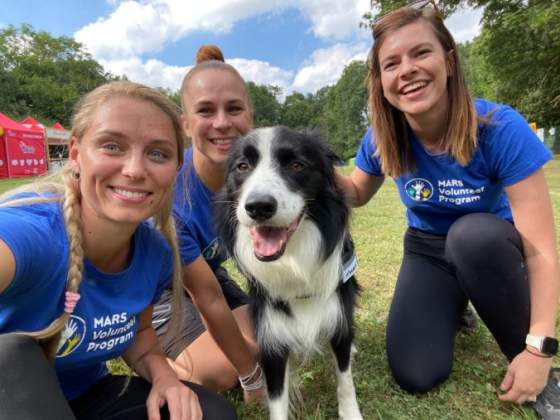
(243, 167)
(297, 166)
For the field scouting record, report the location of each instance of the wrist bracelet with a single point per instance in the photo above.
(255, 385)
(254, 380)
(544, 356)
(250, 375)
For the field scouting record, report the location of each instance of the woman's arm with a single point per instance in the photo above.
(533, 217)
(146, 358)
(7, 266)
(359, 186)
(207, 295)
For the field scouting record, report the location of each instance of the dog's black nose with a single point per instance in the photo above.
(260, 206)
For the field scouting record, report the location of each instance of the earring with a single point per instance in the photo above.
(75, 174)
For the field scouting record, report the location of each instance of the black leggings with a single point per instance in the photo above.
(480, 260)
(29, 390)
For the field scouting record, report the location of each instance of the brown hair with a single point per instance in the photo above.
(211, 57)
(66, 189)
(389, 125)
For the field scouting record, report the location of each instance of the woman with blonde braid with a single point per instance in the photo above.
(80, 269)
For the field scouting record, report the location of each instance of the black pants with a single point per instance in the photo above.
(480, 260)
(29, 390)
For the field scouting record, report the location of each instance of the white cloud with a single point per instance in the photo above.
(156, 73)
(464, 24)
(326, 65)
(334, 18)
(135, 27)
(262, 72)
(323, 68)
(153, 73)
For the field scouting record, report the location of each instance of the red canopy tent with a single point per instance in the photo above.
(22, 149)
(32, 123)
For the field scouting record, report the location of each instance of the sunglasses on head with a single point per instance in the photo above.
(416, 5)
(421, 4)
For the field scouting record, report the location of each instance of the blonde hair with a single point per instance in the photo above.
(389, 125)
(64, 188)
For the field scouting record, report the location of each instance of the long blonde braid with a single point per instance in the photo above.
(50, 336)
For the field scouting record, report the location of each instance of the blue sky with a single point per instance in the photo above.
(298, 45)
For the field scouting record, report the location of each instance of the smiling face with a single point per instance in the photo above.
(414, 71)
(127, 160)
(217, 113)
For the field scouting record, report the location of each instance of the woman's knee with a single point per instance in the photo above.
(480, 238)
(11, 344)
(419, 378)
(214, 406)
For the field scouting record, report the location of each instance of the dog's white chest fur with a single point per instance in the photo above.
(302, 279)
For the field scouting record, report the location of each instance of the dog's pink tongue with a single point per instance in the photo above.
(267, 240)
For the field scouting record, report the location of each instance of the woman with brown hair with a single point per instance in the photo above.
(480, 221)
(217, 347)
(80, 269)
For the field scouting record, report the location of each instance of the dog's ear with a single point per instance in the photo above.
(335, 159)
(319, 137)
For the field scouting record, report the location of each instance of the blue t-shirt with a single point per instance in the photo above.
(105, 320)
(192, 208)
(441, 190)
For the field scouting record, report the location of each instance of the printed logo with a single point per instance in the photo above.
(26, 149)
(419, 189)
(72, 336)
(212, 250)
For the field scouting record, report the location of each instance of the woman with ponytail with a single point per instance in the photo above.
(217, 346)
(80, 269)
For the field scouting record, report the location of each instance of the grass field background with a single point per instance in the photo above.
(470, 393)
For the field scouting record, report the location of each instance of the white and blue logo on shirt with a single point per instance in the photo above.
(419, 189)
(72, 336)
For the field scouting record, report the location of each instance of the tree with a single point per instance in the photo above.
(525, 66)
(45, 74)
(479, 75)
(265, 104)
(298, 111)
(174, 95)
(345, 110)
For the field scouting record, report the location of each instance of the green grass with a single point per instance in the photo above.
(6, 184)
(470, 393)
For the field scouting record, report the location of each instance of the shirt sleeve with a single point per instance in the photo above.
(34, 249)
(189, 247)
(165, 278)
(513, 151)
(366, 159)
(162, 253)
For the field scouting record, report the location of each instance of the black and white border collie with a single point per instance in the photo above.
(283, 219)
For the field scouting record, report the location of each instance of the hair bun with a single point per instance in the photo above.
(209, 52)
